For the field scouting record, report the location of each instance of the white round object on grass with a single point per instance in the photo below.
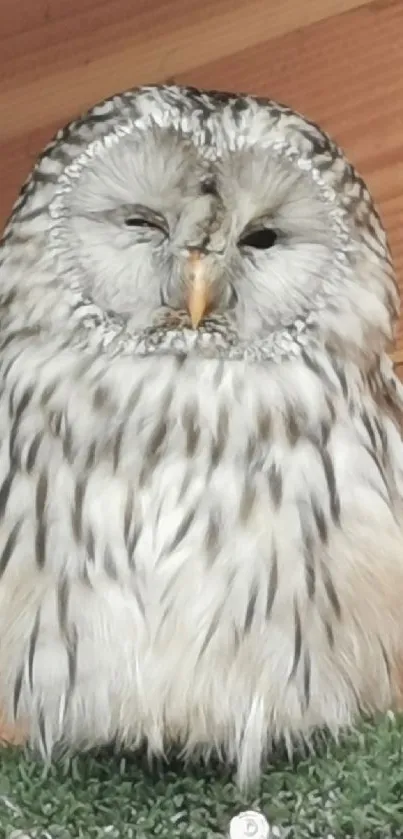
(249, 825)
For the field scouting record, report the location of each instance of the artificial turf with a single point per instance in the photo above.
(350, 789)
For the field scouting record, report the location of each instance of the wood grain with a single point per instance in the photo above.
(120, 44)
(337, 61)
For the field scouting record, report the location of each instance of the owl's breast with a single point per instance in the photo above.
(201, 528)
(158, 460)
(195, 457)
(235, 466)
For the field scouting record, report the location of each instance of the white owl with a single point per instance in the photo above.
(201, 463)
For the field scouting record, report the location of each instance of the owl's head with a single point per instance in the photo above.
(184, 219)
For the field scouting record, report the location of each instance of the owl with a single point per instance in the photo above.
(201, 462)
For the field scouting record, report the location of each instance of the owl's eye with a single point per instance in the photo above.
(139, 216)
(261, 239)
(137, 222)
(154, 224)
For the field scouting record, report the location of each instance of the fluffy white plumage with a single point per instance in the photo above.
(201, 529)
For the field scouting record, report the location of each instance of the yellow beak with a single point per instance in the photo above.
(198, 297)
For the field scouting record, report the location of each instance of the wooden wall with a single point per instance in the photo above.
(338, 61)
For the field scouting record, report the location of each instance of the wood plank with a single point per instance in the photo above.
(25, 15)
(66, 64)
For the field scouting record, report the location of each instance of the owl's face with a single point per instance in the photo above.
(188, 212)
(160, 230)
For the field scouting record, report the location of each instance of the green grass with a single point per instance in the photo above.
(353, 789)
